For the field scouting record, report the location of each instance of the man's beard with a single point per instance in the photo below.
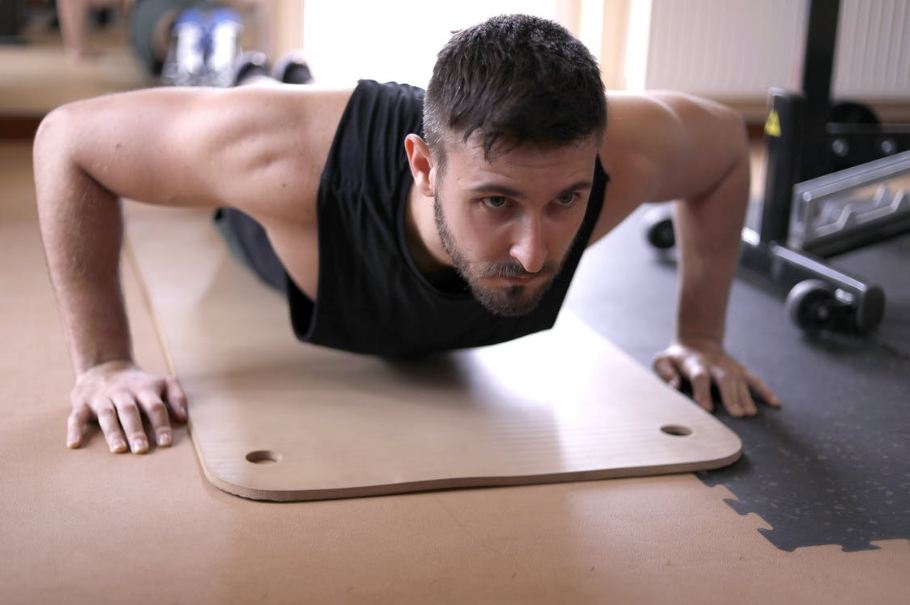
(513, 301)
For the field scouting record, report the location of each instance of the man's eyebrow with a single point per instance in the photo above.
(577, 186)
(499, 189)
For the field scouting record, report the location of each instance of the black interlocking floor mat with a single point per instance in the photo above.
(832, 467)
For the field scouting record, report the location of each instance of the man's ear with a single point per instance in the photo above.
(423, 165)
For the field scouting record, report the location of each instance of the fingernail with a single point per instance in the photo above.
(116, 446)
(139, 444)
(164, 439)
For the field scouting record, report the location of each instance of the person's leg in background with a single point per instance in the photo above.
(74, 27)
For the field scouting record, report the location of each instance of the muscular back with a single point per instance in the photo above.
(258, 149)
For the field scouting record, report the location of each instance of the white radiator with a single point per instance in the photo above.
(737, 49)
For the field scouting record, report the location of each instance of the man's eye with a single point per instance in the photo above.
(495, 202)
(567, 199)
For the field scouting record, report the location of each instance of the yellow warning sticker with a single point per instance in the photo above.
(772, 126)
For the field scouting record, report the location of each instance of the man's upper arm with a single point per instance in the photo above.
(256, 149)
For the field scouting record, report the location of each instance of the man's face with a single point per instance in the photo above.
(508, 224)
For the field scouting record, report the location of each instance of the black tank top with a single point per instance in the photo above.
(372, 298)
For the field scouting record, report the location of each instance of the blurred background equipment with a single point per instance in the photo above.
(204, 43)
(836, 179)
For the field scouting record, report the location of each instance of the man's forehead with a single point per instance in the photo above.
(507, 152)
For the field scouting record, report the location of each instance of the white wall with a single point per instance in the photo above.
(873, 53)
(346, 40)
(727, 48)
(739, 48)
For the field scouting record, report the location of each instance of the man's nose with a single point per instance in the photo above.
(528, 247)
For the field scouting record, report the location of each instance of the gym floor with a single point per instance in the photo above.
(817, 510)
(831, 467)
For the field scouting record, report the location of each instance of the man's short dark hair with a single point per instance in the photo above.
(515, 80)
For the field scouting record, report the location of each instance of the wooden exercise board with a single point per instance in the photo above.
(274, 419)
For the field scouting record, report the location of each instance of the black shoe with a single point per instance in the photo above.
(292, 69)
(248, 65)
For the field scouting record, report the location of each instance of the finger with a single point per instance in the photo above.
(156, 411)
(131, 421)
(729, 394)
(107, 419)
(763, 390)
(667, 371)
(75, 425)
(701, 385)
(176, 398)
(745, 398)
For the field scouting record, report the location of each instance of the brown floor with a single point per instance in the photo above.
(90, 527)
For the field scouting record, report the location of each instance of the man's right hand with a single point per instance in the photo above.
(117, 393)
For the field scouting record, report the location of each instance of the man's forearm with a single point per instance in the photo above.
(709, 230)
(82, 229)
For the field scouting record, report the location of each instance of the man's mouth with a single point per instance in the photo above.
(522, 279)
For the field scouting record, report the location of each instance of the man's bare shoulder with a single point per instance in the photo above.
(657, 146)
(638, 124)
(258, 149)
(630, 151)
(278, 139)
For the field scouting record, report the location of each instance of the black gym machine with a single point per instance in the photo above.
(817, 150)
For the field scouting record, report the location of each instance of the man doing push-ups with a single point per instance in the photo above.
(398, 222)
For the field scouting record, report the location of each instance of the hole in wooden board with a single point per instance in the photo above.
(677, 430)
(263, 457)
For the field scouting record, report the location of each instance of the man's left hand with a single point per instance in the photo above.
(702, 362)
